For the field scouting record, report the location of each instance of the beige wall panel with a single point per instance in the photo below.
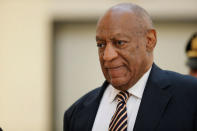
(159, 9)
(77, 69)
(24, 60)
(170, 48)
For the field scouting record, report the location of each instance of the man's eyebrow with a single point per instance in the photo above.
(114, 36)
(98, 38)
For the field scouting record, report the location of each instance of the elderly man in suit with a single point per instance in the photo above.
(137, 95)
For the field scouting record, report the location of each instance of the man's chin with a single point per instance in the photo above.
(119, 83)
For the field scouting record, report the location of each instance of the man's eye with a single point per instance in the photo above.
(119, 42)
(101, 45)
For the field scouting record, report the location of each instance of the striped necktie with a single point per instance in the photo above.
(119, 119)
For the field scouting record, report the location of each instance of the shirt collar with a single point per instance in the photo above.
(136, 90)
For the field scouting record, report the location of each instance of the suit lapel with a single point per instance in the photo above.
(88, 112)
(154, 101)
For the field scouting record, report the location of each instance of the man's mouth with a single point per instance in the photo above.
(117, 71)
(113, 67)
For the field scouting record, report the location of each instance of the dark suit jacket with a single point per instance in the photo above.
(169, 103)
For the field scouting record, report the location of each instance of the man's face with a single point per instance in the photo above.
(122, 49)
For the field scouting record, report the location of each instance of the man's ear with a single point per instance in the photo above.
(151, 40)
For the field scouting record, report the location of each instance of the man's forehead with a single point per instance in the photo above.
(117, 26)
(116, 21)
(113, 35)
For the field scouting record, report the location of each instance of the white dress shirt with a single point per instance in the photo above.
(108, 105)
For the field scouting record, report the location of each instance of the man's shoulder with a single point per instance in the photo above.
(83, 106)
(88, 96)
(181, 79)
(78, 105)
(75, 108)
(184, 86)
(93, 96)
(178, 84)
(85, 98)
(166, 77)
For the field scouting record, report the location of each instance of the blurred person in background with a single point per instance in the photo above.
(137, 95)
(191, 52)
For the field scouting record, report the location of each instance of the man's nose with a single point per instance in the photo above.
(109, 53)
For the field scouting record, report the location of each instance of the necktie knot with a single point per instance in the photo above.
(123, 96)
